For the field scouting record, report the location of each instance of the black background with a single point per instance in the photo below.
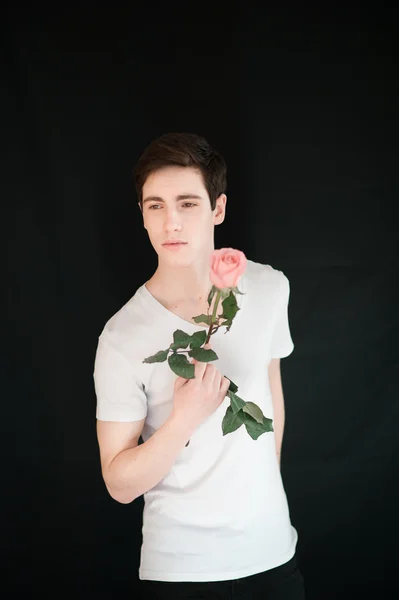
(303, 105)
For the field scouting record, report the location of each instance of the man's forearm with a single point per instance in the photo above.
(276, 388)
(278, 426)
(137, 470)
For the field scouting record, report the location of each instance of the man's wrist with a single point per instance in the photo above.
(182, 428)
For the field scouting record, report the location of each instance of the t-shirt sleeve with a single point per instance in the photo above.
(282, 344)
(120, 394)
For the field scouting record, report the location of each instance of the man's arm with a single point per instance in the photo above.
(129, 470)
(278, 404)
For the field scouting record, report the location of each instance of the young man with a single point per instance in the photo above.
(216, 519)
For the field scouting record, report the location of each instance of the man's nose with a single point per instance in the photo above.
(172, 219)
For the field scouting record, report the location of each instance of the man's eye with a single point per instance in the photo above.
(185, 204)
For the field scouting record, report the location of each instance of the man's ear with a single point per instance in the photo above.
(220, 209)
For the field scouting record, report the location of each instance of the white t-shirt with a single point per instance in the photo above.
(221, 512)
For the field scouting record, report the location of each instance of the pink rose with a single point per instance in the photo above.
(227, 265)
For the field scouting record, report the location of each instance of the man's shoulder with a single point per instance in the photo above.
(264, 273)
(130, 320)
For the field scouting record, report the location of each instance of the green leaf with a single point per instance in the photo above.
(231, 421)
(160, 356)
(256, 429)
(232, 387)
(198, 339)
(236, 403)
(228, 323)
(203, 319)
(181, 339)
(254, 410)
(203, 354)
(230, 307)
(181, 366)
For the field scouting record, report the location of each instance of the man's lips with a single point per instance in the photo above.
(174, 243)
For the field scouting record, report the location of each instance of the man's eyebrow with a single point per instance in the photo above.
(179, 197)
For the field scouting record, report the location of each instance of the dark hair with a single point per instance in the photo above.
(183, 150)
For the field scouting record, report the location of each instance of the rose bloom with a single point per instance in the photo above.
(227, 265)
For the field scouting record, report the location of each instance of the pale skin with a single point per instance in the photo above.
(176, 205)
(181, 282)
(276, 389)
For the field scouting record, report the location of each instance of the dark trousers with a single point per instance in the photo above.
(281, 583)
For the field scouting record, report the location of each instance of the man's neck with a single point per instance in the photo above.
(179, 290)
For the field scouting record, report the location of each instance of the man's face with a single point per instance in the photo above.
(176, 206)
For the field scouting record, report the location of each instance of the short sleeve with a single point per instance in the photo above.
(120, 394)
(282, 344)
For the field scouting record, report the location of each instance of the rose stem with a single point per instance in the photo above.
(215, 306)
